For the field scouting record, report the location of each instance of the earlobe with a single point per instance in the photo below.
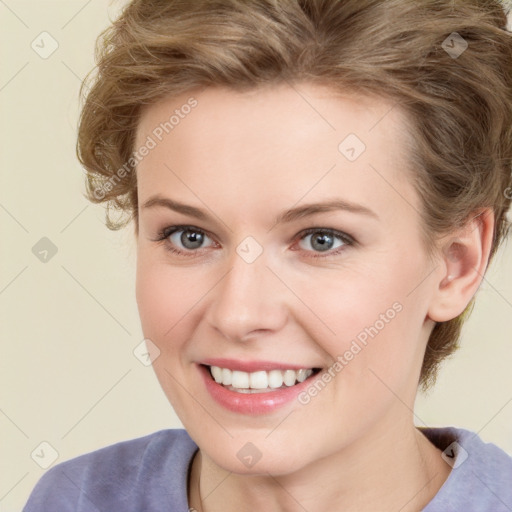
(464, 259)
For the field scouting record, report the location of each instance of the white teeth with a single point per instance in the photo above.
(289, 377)
(302, 375)
(216, 373)
(275, 379)
(262, 380)
(258, 380)
(240, 379)
(226, 376)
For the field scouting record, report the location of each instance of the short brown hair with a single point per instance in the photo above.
(459, 106)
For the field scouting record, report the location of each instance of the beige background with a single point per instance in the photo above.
(69, 325)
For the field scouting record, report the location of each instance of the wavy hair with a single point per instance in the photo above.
(459, 106)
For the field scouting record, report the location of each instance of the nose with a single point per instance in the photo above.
(248, 301)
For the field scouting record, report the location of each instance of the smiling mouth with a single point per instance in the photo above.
(259, 381)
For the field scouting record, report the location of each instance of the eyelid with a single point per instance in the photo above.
(347, 242)
(347, 239)
(164, 234)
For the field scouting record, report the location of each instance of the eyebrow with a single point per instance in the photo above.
(291, 215)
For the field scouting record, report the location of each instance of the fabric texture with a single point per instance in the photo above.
(150, 474)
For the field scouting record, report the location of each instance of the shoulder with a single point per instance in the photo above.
(481, 474)
(131, 475)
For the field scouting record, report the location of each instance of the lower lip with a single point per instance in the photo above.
(251, 403)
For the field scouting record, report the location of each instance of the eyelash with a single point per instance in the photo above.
(347, 240)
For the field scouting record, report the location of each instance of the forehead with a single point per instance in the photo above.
(276, 107)
(290, 139)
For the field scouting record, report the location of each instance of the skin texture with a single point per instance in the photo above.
(244, 158)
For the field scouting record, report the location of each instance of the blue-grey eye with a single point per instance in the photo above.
(323, 241)
(189, 239)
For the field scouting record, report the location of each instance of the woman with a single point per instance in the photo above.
(317, 189)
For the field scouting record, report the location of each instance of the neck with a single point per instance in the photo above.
(398, 470)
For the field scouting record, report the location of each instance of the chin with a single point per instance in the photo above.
(244, 457)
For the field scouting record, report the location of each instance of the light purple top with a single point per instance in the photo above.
(150, 474)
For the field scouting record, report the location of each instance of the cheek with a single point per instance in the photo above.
(171, 301)
(154, 299)
(164, 302)
(347, 305)
(163, 298)
(371, 319)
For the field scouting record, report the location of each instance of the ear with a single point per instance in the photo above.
(464, 257)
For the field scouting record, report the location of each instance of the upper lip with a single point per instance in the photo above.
(252, 366)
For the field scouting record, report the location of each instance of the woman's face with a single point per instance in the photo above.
(228, 274)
